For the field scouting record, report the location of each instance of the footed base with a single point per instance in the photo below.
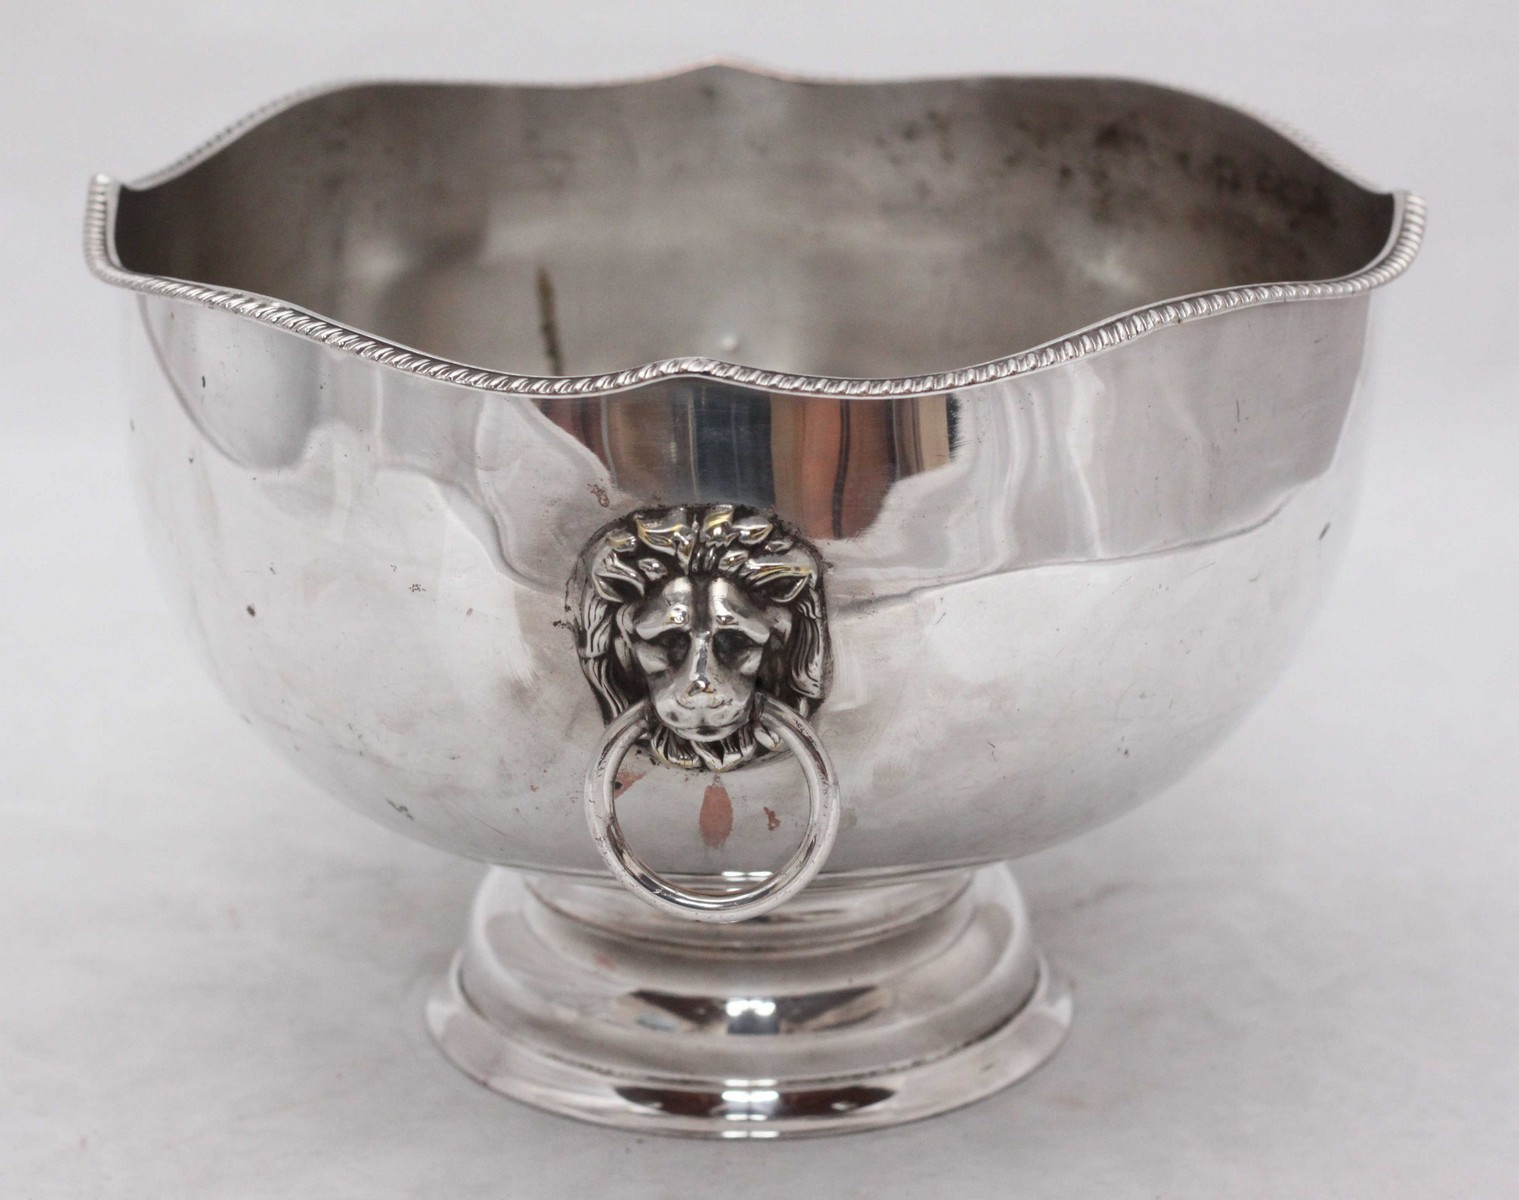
(849, 1008)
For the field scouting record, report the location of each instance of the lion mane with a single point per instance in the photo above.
(631, 556)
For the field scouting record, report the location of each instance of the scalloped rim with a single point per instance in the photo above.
(1401, 247)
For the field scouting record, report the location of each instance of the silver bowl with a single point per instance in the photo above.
(591, 481)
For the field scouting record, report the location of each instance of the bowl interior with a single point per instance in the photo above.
(844, 229)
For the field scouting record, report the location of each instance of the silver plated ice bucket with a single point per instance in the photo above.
(748, 511)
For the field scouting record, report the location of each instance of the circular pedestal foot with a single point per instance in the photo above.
(849, 1008)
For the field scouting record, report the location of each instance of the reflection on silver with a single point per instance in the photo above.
(1059, 380)
(835, 1013)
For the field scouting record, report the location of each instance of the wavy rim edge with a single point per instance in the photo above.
(1397, 254)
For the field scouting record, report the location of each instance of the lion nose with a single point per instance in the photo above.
(699, 681)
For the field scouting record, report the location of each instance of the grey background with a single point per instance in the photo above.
(1296, 971)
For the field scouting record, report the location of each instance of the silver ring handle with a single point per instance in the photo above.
(653, 888)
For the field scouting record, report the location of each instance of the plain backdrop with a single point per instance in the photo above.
(1297, 972)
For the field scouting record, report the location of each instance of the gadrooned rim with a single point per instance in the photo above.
(1399, 252)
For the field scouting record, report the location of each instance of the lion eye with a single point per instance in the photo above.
(675, 643)
(731, 644)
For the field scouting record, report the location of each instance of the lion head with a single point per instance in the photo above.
(696, 610)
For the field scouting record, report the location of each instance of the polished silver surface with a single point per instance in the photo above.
(844, 1011)
(1060, 380)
